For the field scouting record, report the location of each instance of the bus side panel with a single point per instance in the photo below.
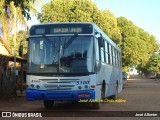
(110, 75)
(93, 81)
(103, 75)
(110, 79)
(117, 78)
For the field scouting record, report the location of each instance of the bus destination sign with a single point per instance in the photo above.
(66, 30)
(49, 29)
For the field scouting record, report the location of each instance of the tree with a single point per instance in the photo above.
(149, 48)
(7, 10)
(21, 35)
(80, 11)
(108, 23)
(67, 11)
(129, 43)
(24, 5)
(137, 45)
(154, 64)
(10, 10)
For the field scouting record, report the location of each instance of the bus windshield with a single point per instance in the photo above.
(68, 54)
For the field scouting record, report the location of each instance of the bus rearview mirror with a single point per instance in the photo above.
(20, 50)
(100, 42)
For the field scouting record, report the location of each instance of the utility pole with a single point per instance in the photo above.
(15, 35)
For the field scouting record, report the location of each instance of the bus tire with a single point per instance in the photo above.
(48, 103)
(96, 105)
(103, 91)
(115, 96)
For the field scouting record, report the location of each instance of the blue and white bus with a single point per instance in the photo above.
(72, 61)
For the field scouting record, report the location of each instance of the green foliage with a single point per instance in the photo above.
(127, 28)
(154, 64)
(23, 5)
(21, 35)
(108, 23)
(80, 11)
(12, 11)
(137, 45)
(129, 42)
(67, 11)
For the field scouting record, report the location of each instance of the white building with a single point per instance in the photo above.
(133, 71)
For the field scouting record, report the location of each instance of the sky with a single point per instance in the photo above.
(143, 13)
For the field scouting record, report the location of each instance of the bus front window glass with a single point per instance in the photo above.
(61, 54)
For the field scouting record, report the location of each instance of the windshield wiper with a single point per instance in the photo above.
(69, 42)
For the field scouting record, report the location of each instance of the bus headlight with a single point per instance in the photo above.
(37, 86)
(86, 86)
(79, 87)
(32, 86)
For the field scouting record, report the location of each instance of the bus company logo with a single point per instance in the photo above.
(35, 81)
(6, 114)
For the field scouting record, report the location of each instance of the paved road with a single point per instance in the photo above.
(140, 95)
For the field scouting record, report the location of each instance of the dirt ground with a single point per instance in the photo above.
(139, 94)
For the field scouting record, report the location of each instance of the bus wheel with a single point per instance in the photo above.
(115, 96)
(103, 91)
(96, 105)
(48, 103)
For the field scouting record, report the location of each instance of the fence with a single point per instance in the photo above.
(7, 76)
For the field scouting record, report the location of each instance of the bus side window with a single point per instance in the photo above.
(110, 52)
(115, 57)
(120, 62)
(108, 47)
(106, 52)
(102, 54)
(98, 57)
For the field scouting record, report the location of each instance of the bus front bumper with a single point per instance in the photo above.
(60, 95)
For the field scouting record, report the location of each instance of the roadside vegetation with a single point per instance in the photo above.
(138, 46)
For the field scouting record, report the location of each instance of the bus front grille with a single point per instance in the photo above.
(59, 84)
